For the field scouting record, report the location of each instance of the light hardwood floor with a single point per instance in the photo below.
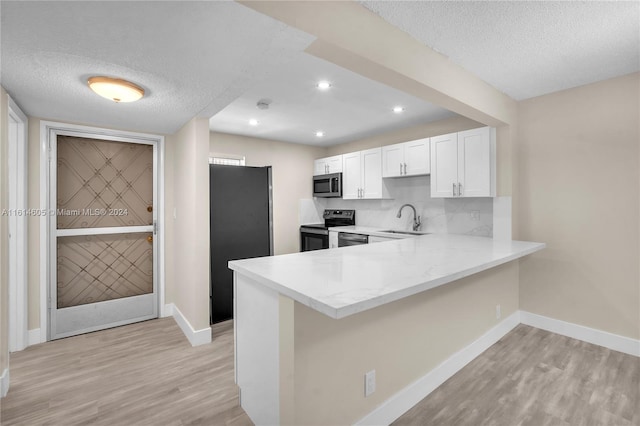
(140, 374)
(148, 374)
(533, 377)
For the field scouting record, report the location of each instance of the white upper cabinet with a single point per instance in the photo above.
(323, 166)
(444, 165)
(463, 164)
(406, 159)
(351, 175)
(362, 175)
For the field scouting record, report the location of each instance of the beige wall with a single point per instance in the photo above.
(4, 231)
(292, 168)
(189, 283)
(402, 341)
(579, 189)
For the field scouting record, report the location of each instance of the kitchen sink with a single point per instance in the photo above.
(391, 231)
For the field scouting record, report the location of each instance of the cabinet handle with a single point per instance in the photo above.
(405, 168)
(459, 189)
(400, 168)
(454, 189)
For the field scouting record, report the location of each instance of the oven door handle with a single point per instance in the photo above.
(314, 231)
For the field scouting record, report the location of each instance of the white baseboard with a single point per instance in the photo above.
(34, 337)
(167, 311)
(196, 337)
(402, 401)
(4, 383)
(580, 332)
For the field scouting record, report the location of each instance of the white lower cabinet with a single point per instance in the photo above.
(362, 175)
(463, 164)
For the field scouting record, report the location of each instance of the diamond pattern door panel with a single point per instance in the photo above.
(97, 268)
(103, 183)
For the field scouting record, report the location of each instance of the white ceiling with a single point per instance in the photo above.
(192, 58)
(353, 108)
(526, 48)
(203, 58)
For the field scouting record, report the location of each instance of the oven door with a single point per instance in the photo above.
(313, 239)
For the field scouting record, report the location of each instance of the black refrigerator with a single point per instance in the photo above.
(240, 225)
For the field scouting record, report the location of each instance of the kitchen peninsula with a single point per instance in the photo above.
(310, 325)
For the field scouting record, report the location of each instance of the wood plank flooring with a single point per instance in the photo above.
(140, 374)
(148, 374)
(533, 377)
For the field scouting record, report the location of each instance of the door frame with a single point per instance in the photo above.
(49, 131)
(18, 278)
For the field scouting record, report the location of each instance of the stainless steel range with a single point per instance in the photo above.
(316, 236)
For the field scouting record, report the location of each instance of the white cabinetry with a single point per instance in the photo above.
(323, 166)
(463, 164)
(362, 175)
(406, 159)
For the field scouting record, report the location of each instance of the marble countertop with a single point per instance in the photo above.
(343, 281)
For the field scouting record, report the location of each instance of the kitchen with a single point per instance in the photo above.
(583, 279)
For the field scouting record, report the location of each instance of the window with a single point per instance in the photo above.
(227, 160)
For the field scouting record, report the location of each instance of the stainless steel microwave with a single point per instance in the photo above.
(327, 185)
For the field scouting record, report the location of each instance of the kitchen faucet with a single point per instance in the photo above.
(416, 218)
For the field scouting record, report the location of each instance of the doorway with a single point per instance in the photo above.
(103, 227)
(241, 226)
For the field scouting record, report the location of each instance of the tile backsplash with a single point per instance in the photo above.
(469, 216)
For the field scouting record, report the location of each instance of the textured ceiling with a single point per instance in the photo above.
(526, 48)
(204, 58)
(353, 108)
(192, 58)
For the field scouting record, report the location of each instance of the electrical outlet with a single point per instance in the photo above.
(369, 383)
(498, 312)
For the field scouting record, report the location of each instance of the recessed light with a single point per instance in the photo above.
(253, 122)
(319, 134)
(398, 109)
(324, 85)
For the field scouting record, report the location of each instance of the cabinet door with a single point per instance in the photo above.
(475, 163)
(351, 175)
(320, 167)
(334, 164)
(393, 160)
(444, 165)
(372, 173)
(416, 157)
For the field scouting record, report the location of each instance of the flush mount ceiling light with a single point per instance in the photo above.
(398, 109)
(319, 134)
(324, 85)
(116, 89)
(253, 122)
